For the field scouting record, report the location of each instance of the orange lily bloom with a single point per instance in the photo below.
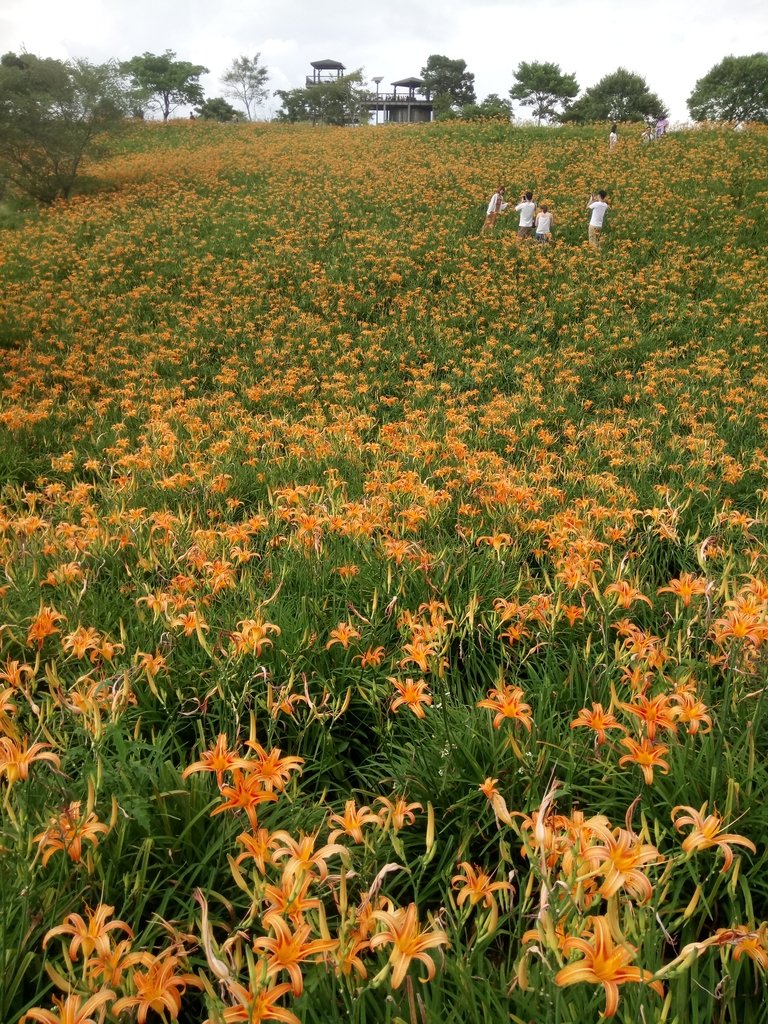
(597, 719)
(654, 712)
(476, 887)
(288, 949)
(401, 928)
(412, 694)
(158, 988)
(16, 758)
(303, 858)
(68, 832)
(92, 935)
(620, 858)
(272, 770)
(646, 755)
(507, 702)
(707, 832)
(245, 794)
(352, 821)
(343, 634)
(686, 587)
(218, 759)
(257, 845)
(604, 963)
(398, 811)
(70, 1011)
(254, 1007)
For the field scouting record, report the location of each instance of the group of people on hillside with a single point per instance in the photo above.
(537, 221)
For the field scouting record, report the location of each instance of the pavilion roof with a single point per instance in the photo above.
(409, 83)
(328, 65)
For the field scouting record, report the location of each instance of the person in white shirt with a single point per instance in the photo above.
(598, 206)
(544, 224)
(526, 208)
(495, 207)
(613, 138)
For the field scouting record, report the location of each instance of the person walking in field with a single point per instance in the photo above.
(544, 222)
(613, 138)
(599, 207)
(495, 207)
(527, 209)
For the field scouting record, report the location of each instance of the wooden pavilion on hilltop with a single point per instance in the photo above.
(404, 107)
(324, 71)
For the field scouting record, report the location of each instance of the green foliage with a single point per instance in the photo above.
(544, 87)
(217, 109)
(447, 82)
(736, 89)
(620, 96)
(246, 80)
(52, 116)
(340, 102)
(493, 107)
(160, 82)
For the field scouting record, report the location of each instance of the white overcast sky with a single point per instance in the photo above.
(671, 43)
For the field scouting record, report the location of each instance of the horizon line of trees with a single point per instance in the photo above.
(53, 113)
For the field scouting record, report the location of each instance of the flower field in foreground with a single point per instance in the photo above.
(384, 607)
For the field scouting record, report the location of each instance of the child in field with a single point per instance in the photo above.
(598, 206)
(526, 208)
(544, 222)
(495, 207)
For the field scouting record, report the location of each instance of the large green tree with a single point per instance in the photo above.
(217, 109)
(342, 101)
(160, 82)
(246, 81)
(52, 115)
(493, 108)
(736, 89)
(544, 87)
(620, 96)
(447, 83)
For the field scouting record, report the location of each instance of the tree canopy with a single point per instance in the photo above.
(160, 82)
(447, 83)
(544, 87)
(217, 109)
(493, 107)
(246, 81)
(736, 89)
(53, 114)
(342, 101)
(620, 96)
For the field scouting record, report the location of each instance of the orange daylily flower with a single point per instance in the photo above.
(254, 1007)
(287, 949)
(158, 988)
(620, 858)
(476, 886)
(707, 832)
(71, 1010)
(343, 634)
(68, 832)
(397, 811)
(411, 694)
(351, 822)
(303, 858)
(16, 758)
(647, 755)
(91, 935)
(604, 963)
(686, 587)
(245, 793)
(271, 768)
(597, 719)
(401, 928)
(218, 759)
(507, 701)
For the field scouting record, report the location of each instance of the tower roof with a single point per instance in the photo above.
(328, 65)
